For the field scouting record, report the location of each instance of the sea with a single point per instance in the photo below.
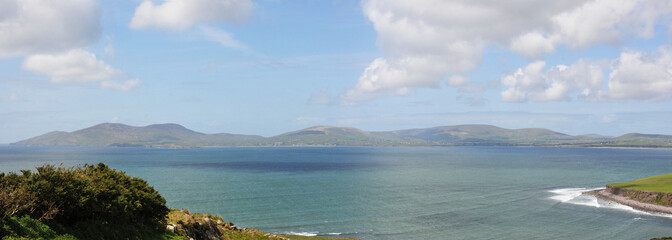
(390, 192)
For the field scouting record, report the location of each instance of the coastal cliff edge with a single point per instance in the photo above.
(638, 199)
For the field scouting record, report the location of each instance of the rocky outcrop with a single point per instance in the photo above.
(664, 199)
(642, 200)
(207, 227)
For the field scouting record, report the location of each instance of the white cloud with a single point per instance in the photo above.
(634, 75)
(582, 80)
(52, 35)
(125, 86)
(638, 75)
(523, 81)
(77, 66)
(425, 41)
(222, 37)
(183, 14)
(593, 22)
(533, 44)
(381, 77)
(457, 80)
(9, 9)
(45, 26)
(72, 66)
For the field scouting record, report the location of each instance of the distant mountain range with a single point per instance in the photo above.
(176, 136)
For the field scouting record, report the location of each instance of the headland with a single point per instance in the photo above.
(649, 194)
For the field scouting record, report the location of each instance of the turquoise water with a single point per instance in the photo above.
(390, 192)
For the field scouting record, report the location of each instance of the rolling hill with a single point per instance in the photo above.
(485, 134)
(156, 135)
(176, 136)
(340, 136)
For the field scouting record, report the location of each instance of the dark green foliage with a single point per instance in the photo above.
(92, 199)
(101, 230)
(28, 228)
(14, 228)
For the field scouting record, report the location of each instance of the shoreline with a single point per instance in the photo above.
(650, 207)
(339, 146)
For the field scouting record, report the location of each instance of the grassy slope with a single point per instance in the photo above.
(643, 140)
(158, 135)
(484, 134)
(660, 183)
(338, 136)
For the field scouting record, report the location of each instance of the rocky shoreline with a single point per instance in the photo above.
(625, 197)
(204, 226)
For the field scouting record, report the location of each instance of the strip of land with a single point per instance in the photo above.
(651, 207)
(176, 136)
(649, 194)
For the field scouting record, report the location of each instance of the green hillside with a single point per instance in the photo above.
(483, 134)
(638, 139)
(157, 135)
(339, 136)
(176, 136)
(659, 183)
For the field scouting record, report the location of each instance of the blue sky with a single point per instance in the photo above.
(267, 67)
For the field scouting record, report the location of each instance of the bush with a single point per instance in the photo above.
(91, 197)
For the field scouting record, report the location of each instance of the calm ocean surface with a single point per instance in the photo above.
(390, 192)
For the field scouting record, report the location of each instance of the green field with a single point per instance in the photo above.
(660, 183)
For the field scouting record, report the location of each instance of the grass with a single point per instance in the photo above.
(660, 183)
(28, 228)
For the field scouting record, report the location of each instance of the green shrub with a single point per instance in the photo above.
(92, 199)
(28, 228)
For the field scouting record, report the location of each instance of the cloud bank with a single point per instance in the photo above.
(39, 26)
(634, 75)
(52, 35)
(72, 66)
(639, 75)
(181, 15)
(581, 80)
(425, 42)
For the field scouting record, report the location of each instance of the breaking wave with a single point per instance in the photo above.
(577, 196)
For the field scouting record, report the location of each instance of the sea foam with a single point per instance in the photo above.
(576, 196)
(312, 234)
(307, 234)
